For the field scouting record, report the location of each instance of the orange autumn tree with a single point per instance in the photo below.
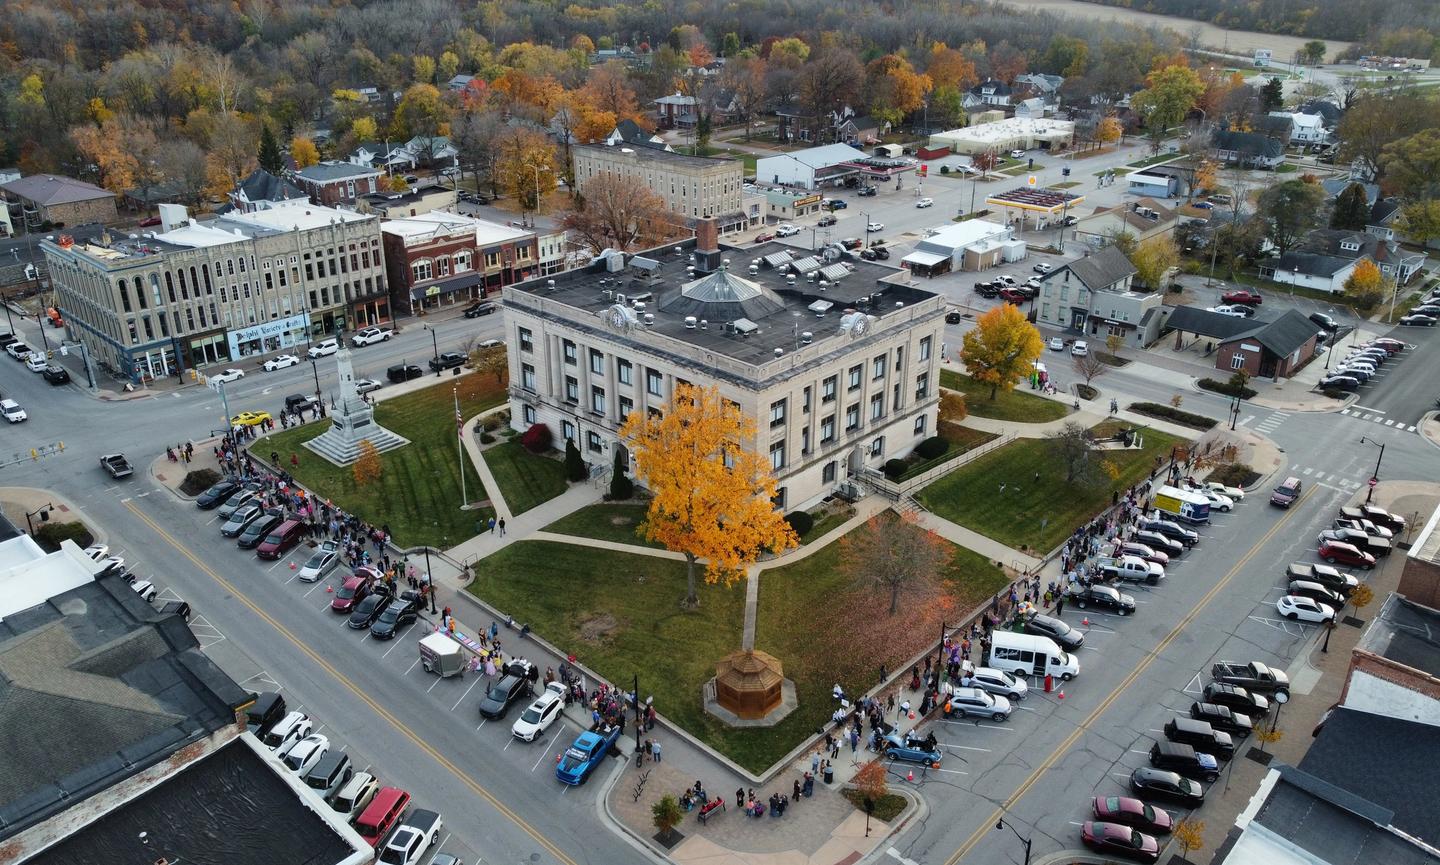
(712, 492)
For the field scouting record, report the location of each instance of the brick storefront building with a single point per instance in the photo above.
(439, 259)
(332, 183)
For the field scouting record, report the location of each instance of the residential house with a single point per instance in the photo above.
(263, 190)
(332, 183)
(1381, 221)
(384, 156)
(993, 93)
(1042, 84)
(629, 132)
(1248, 149)
(1395, 262)
(860, 130)
(1304, 128)
(1330, 113)
(1093, 296)
(458, 82)
(39, 199)
(1304, 269)
(1142, 220)
(676, 111)
(1273, 349)
(432, 151)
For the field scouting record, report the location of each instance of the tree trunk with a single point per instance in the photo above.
(994, 388)
(692, 599)
(894, 596)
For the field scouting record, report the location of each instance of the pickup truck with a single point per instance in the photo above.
(584, 757)
(116, 465)
(1132, 569)
(1253, 676)
(1325, 575)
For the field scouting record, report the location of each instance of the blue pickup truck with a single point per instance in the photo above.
(584, 757)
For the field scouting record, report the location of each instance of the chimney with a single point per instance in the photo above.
(707, 245)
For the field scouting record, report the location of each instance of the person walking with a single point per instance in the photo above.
(492, 525)
(656, 747)
(502, 527)
(1059, 606)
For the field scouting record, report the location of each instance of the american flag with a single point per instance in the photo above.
(459, 418)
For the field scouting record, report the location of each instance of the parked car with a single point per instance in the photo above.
(1170, 529)
(1372, 544)
(1157, 541)
(12, 411)
(403, 372)
(872, 227)
(954, 316)
(1184, 760)
(910, 750)
(977, 702)
(1056, 344)
(368, 610)
(511, 687)
(351, 592)
(407, 845)
(1080, 348)
(355, 795)
(287, 731)
(986, 290)
(323, 348)
(402, 611)
(371, 335)
(1114, 839)
(366, 385)
(1324, 321)
(1339, 381)
(1252, 676)
(1325, 575)
(1217, 501)
(1302, 609)
(785, 229)
(18, 350)
(584, 756)
(1418, 319)
(995, 681)
(1316, 592)
(764, 237)
(56, 374)
(306, 753)
(1105, 598)
(1346, 554)
(322, 562)
(1242, 296)
(226, 376)
(240, 519)
(1132, 812)
(484, 307)
(254, 534)
(826, 221)
(1151, 783)
(1042, 268)
(216, 495)
(447, 360)
(1377, 515)
(540, 714)
(1010, 295)
(1200, 736)
(1058, 630)
(1237, 699)
(242, 496)
(1221, 718)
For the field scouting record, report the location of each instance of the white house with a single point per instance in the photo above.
(1305, 128)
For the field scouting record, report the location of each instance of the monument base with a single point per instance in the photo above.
(343, 450)
(788, 703)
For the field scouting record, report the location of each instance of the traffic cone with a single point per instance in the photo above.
(1085, 621)
(292, 566)
(910, 776)
(912, 714)
(1061, 693)
(329, 590)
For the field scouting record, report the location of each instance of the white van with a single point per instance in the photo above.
(1027, 654)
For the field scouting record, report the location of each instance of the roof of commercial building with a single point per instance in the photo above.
(646, 153)
(1035, 199)
(1282, 335)
(331, 172)
(227, 808)
(959, 235)
(821, 157)
(51, 189)
(1012, 127)
(439, 223)
(1332, 824)
(1203, 322)
(95, 686)
(1405, 632)
(751, 293)
(1384, 760)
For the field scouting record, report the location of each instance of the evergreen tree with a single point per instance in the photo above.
(621, 487)
(575, 468)
(269, 157)
(1272, 96)
(1352, 209)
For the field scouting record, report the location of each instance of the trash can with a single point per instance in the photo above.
(829, 774)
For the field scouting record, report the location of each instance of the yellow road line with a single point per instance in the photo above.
(340, 677)
(1129, 680)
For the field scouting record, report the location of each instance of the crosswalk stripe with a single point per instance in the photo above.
(1389, 422)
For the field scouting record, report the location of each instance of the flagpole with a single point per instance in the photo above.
(460, 445)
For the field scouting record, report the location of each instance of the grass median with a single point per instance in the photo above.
(1015, 405)
(418, 492)
(1018, 494)
(610, 521)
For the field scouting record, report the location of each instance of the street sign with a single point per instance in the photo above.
(1374, 481)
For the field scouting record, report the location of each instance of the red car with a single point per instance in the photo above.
(1132, 812)
(1131, 548)
(1119, 840)
(1335, 551)
(1248, 298)
(351, 593)
(764, 237)
(1010, 295)
(149, 221)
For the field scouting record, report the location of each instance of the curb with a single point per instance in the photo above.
(918, 810)
(602, 808)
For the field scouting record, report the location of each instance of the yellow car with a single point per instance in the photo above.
(250, 418)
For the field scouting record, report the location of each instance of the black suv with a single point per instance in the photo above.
(1236, 699)
(448, 360)
(1045, 626)
(1171, 530)
(1200, 736)
(514, 685)
(56, 374)
(216, 495)
(256, 531)
(484, 307)
(1222, 718)
(403, 372)
(397, 615)
(1185, 760)
(368, 610)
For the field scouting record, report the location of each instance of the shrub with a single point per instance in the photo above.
(895, 468)
(1166, 412)
(1086, 391)
(199, 481)
(944, 169)
(49, 535)
(933, 447)
(800, 521)
(621, 487)
(537, 439)
(1227, 388)
(486, 438)
(1234, 475)
(491, 423)
(575, 468)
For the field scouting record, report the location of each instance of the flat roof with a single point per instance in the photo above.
(29, 576)
(1011, 127)
(1407, 633)
(779, 310)
(231, 807)
(1334, 827)
(1035, 199)
(440, 222)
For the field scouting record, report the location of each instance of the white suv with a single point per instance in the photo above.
(322, 348)
(369, 335)
(12, 410)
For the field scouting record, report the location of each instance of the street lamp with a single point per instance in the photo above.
(1001, 824)
(436, 343)
(42, 512)
(1374, 478)
(315, 368)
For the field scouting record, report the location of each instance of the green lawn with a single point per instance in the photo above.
(1164, 156)
(1015, 405)
(418, 495)
(610, 521)
(827, 522)
(525, 480)
(1026, 513)
(826, 629)
(620, 614)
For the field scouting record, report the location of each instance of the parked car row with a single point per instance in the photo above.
(380, 814)
(1360, 364)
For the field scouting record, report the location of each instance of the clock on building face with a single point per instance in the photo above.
(617, 317)
(860, 326)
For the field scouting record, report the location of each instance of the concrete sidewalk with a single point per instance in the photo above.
(1086, 417)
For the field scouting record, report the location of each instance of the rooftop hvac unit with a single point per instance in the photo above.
(638, 304)
(649, 318)
(620, 298)
(754, 269)
(689, 322)
(609, 295)
(679, 251)
(549, 285)
(779, 352)
(790, 279)
(824, 284)
(807, 337)
(899, 303)
(704, 325)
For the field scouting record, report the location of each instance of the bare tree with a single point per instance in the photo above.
(893, 553)
(616, 212)
(1074, 447)
(1089, 366)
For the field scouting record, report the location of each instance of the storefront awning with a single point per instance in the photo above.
(463, 282)
(925, 259)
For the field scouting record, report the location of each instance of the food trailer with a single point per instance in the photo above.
(442, 655)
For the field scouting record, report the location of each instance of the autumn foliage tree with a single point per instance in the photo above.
(1002, 348)
(893, 553)
(1153, 259)
(1366, 285)
(304, 152)
(871, 781)
(368, 468)
(893, 88)
(616, 212)
(712, 491)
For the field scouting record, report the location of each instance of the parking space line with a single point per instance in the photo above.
(433, 684)
(397, 643)
(975, 722)
(967, 748)
(318, 584)
(413, 665)
(553, 739)
(464, 695)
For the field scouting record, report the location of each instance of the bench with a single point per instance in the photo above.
(709, 808)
